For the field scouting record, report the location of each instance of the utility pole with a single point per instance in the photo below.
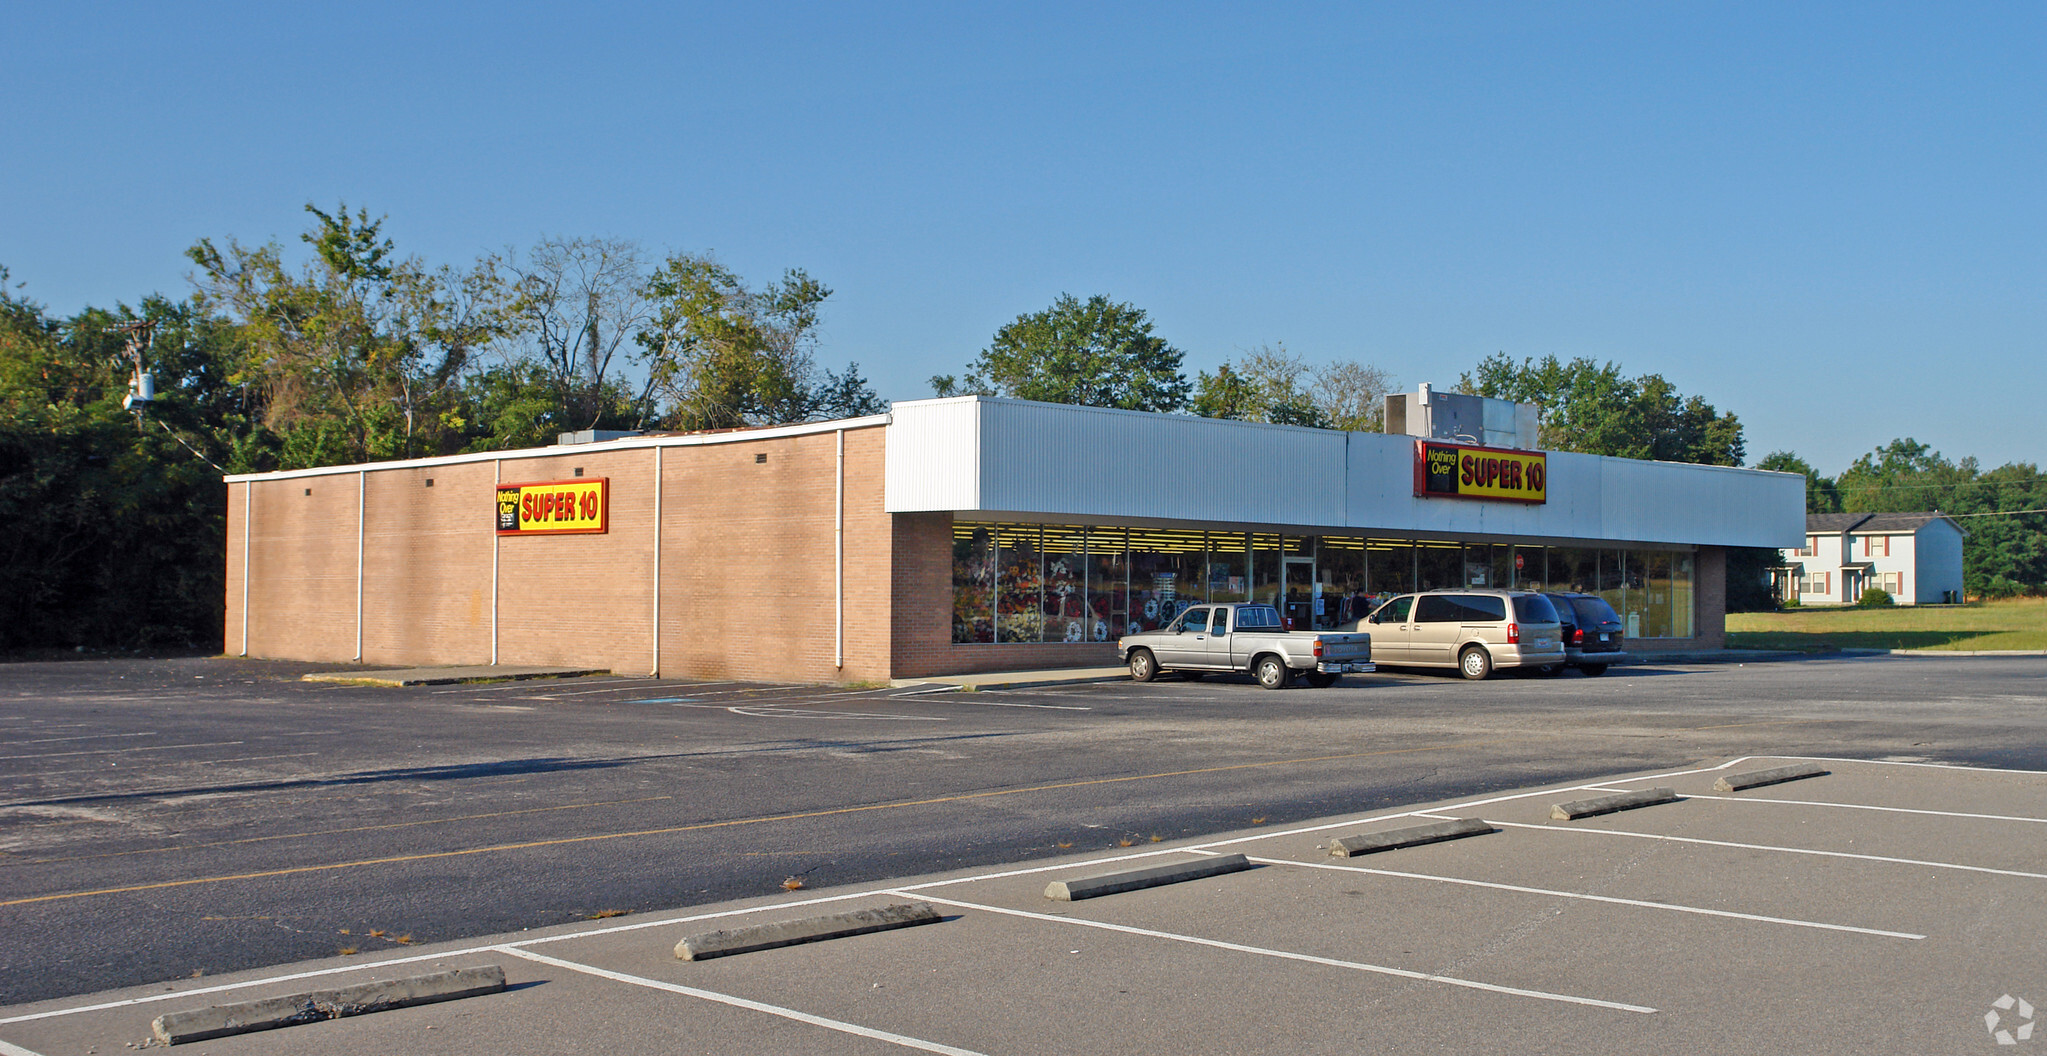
(141, 335)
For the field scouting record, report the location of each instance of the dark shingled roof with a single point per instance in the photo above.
(1830, 523)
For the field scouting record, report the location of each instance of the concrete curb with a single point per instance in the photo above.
(427, 676)
(1585, 808)
(1773, 776)
(1969, 652)
(1411, 836)
(728, 941)
(1136, 879)
(220, 1021)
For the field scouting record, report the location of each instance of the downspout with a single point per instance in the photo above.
(656, 672)
(361, 488)
(248, 514)
(497, 475)
(839, 559)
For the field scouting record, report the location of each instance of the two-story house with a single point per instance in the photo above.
(1915, 557)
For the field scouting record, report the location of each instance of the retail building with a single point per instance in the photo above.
(950, 536)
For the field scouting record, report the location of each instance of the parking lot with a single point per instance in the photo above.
(177, 823)
(1883, 907)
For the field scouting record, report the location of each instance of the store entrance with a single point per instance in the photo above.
(1297, 600)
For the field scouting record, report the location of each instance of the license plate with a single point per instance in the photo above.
(1602, 637)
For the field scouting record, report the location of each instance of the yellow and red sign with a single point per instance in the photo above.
(1460, 472)
(554, 507)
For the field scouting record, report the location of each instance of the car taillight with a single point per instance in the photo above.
(1578, 636)
(1318, 648)
(1513, 634)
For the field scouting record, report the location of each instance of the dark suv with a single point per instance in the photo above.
(1592, 633)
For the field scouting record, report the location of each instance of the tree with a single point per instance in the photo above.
(1592, 408)
(117, 522)
(1352, 395)
(727, 356)
(1821, 495)
(572, 305)
(1263, 385)
(1096, 353)
(356, 355)
(1271, 384)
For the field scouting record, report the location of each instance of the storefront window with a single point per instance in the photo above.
(1389, 567)
(1168, 571)
(973, 583)
(1681, 595)
(1067, 584)
(1228, 567)
(1065, 593)
(1340, 568)
(1108, 597)
(1439, 565)
(1265, 568)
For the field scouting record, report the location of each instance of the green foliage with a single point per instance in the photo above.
(110, 516)
(1592, 408)
(2005, 552)
(726, 356)
(1270, 384)
(1097, 353)
(1821, 495)
(1875, 598)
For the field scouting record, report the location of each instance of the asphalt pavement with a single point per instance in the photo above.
(166, 820)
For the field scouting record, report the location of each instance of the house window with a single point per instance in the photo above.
(1812, 544)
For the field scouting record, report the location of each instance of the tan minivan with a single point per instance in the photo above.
(1473, 631)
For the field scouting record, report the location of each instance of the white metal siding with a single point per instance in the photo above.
(1056, 459)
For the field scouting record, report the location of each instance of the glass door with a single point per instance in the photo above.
(1298, 600)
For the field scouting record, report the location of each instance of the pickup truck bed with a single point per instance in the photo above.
(1246, 638)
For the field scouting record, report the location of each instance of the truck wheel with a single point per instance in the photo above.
(1271, 672)
(1321, 679)
(1475, 663)
(1143, 667)
(1592, 670)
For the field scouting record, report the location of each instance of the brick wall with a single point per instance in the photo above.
(747, 572)
(301, 568)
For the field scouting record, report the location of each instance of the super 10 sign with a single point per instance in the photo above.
(554, 507)
(1457, 471)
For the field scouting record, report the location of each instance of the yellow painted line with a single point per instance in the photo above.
(566, 840)
(1772, 722)
(337, 832)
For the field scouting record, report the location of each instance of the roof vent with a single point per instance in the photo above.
(595, 436)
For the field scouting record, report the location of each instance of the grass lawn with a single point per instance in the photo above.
(2017, 624)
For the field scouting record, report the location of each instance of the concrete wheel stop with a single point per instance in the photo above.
(728, 941)
(220, 1021)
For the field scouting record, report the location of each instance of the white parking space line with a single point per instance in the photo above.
(667, 921)
(15, 1050)
(1010, 704)
(1287, 955)
(1670, 907)
(740, 1002)
(1769, 847)
(1868, 806)
(118, 751)
(1892, 762)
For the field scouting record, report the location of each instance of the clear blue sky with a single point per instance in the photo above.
(1827, 219)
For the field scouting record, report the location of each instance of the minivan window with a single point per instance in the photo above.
(1594, 611)
(1437, 608)
(1394, 611)
(1534, 608)
(1483, 608)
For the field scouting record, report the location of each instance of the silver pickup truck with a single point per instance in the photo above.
(1247, 638)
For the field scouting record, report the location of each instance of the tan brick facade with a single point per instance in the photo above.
(747, 573)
